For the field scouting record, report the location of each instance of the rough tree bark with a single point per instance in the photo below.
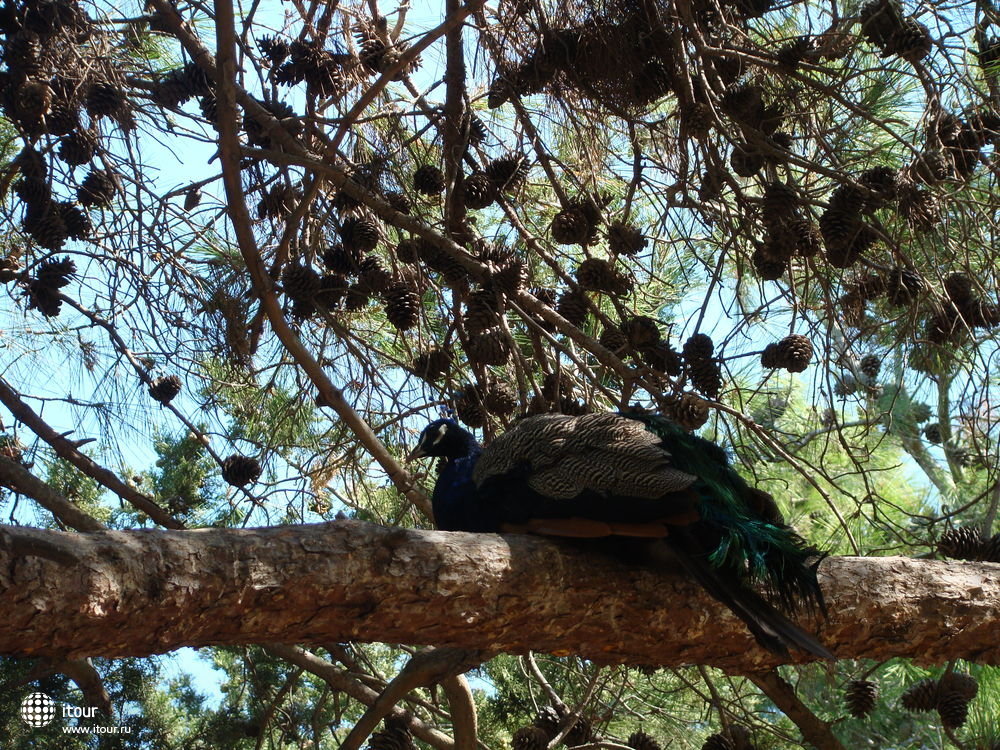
(133, 593)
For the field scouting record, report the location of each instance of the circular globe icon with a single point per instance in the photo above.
(38, 709)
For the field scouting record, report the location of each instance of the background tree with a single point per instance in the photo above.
(251, 249)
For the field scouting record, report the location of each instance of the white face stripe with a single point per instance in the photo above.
(441, 430)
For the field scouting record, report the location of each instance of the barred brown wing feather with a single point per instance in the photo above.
(564, 456)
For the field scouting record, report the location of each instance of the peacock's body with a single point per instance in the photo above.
(633, 476)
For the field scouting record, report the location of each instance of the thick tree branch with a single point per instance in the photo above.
(19, 479)
(340, 680)
(140, 592)
(68, 450)
(229, 153)
(814, 730)
(425, 668)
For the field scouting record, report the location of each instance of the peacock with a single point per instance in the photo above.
(640, 480)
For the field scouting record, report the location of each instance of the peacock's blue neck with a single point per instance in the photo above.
(455, 497)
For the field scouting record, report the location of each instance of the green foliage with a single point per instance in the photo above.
(183, 478)
(75, 486)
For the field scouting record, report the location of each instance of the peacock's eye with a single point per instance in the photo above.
(441, 430)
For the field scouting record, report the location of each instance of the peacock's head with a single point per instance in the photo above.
(444, 437)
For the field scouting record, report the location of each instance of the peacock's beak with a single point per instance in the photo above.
(416, 453)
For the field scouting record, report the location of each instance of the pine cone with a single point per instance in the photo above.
(499, 398)
(332, 290)
(964, 686)
(767, 266)
(625, 239)
(478, 191)
(548, 717)
(45, 224)
(300, 282)
(795, 352)
(991, 549)
(508, 173)
(746, 160)
(697, 348)
(510, 276)
(662, 357)
(808, 239)
(10, 268)
(240, 470)
(792, 53)
(706, 376)
(469, 407)
(30, 163)
(770, 358)
(860, 697)
(408, 250)
(718, 741)
(883, 182)
(482, 311)
(77, 223)
(613, 339)
(953, 710)
(98, 188)
(554, 387)
(641, 331)
(921, 696)
(870, 365)
(904, 286)
(274, 48)
(779, 246)
(920, 208)
(581, 732)
(402, 307)
(642, 741)
(690, 412)
(779, 201)
(106, 99)
(932, 433)
(395, 736)
(963, 543)
(491, 347)
(432, 364)
(598, 275)
(530, 738)
(570, 227)
(359, 234)
(399, 202)
(165, 389)
(77, 148)
(192, 198)
(573, 305)
(911, 42)
(429, 180)
(33, 190)
(742, 103)
(342, 260)
(920, 412)
(697, 119)
(44, 299)
(846, 239)
(280, 111)
(712, 182)
(278, 202)
(959, 288)
(181, 84)
(477, 129)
